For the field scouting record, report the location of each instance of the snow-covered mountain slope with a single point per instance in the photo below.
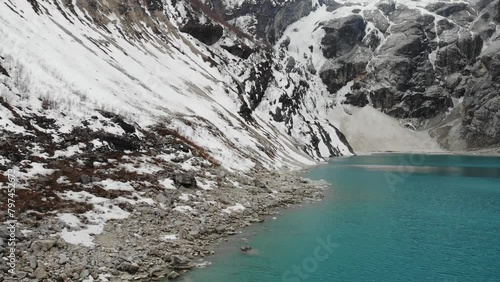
(70, 61)
(432, 65)
(114, 110)
(164, 116)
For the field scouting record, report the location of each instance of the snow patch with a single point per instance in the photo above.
(168, 184)
(236, 208)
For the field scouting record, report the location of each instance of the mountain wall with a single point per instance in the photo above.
(431, 65)
(177, 64)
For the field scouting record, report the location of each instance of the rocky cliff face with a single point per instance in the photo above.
(431, 64)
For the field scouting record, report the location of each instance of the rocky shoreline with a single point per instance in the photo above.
(93, 205)
(158, 241)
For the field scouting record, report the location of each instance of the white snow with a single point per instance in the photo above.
(168, 184)
(369, 130)
(185, 197)
(110, 184)
(70, 219)
(103, 210)
(78, 69)
(169, 237)
(205, 184)
(137, 196)
(236, 208)
(143, 167)
(70, 151)
(183, 209)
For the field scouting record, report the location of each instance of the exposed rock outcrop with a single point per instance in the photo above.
(414, 62)
(207, 33)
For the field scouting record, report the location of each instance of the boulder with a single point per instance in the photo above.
(158, 271)
(42, 245)
(452, 81)
(180, 262)
(128, 267)
(245, 249)
(40, 273)
(85, 179)
(185, 179)
(173, 275)
(62, 259)
(162, 199)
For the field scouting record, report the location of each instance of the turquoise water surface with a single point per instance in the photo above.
(385, 218)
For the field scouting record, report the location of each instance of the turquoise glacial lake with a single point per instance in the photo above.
(386, 217)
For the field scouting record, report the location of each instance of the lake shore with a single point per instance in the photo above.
(494, 152)
(160, 240)
(440, 208)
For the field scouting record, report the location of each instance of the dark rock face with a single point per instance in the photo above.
(422, 105)
(404, 82)
(480, 81)
(342, 35)
(378, 19)
(272, 17)
(343, 44)
(481, 122)
(154, 5)
(290, 105)
(405, 62)
(4, 71)
(456, 56)
(491, 60)
(121, 142)
(127, 127)
(446, 9)
(336, 73)
(482, 116)
(358, 99)
(461, 69)
(275, 19)
(207, 33)
(261, 72)
(290, 64)
(261, 75)
(242, 50)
